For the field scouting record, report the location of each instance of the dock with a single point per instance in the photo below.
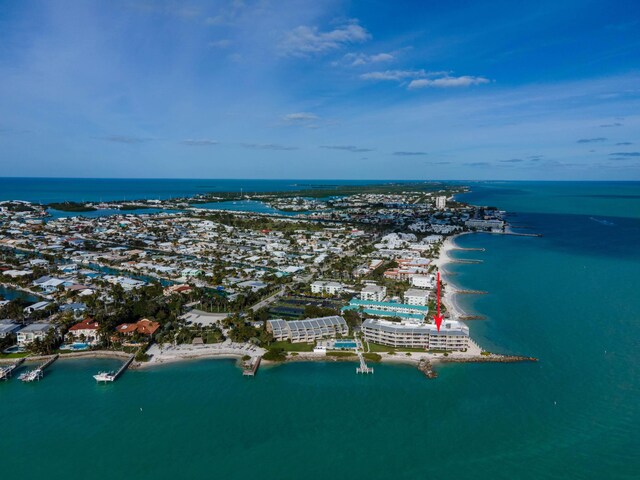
(250, 368)
(363, 368)
(38, 373)
(6, 372)
(103, 377)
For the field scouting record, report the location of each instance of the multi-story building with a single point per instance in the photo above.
(423, 281)
(414, 296)
(441, 202)
(480, 224)
(453, 335)
(416, 313)
(373, 292)
(34, 331)
(87, 331)
(308, 330)
(331, 288)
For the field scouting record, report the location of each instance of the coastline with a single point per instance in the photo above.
(450, 291)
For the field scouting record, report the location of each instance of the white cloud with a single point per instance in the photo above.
(447, 82)
(299, 117)
(305, 41)
(359, 59)
(422, 79)
(395, 75)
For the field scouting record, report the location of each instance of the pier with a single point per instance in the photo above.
(111, 376)
(38, 373)
(249, 369)
(471, 292)
(363, 368)
(464, 249)
(6, 372)
(459, 260)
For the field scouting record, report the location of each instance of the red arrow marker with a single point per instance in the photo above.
(438, 317)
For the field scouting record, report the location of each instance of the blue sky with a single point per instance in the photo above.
(320, 89)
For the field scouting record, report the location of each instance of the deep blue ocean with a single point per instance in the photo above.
(569, 298)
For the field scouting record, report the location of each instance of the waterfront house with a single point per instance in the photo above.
(7, 327)
(143, 327)
(34, 331)
(85, 331)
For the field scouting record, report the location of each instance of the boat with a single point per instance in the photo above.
(105, 377)
(32, 375)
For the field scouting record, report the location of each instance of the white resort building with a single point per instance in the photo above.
(326, 287)
(453, 335)
(373, 292)
(414, 296)
(307, 330)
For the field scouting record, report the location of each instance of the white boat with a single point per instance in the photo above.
(31, 375)
(105, 377)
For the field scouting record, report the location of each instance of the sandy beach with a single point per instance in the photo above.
(450, 291)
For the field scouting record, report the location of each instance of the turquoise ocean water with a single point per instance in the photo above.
(569, 298)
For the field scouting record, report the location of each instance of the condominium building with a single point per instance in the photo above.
(492, 224)
(423, 281)
(414, 296)
(441, 202)
(331, 288)
(307, 330)
(453, 335)
(373, 292)
(417, 313)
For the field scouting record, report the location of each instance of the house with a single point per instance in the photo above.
(182, 288)
(34, 331)
(144, 327)
(86, 331)
(7, 327)
(35, 307)
(76, 307)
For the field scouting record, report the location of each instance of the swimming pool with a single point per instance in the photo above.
(344, 344)
(75, 346)
(14, 349)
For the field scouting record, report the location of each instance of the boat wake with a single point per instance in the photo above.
(602, 221)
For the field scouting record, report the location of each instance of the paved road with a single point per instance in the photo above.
(268, 301)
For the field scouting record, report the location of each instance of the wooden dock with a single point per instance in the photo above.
(363, 368)
(38, 373)
(250, 368)
(103, 377)
(6, 372)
